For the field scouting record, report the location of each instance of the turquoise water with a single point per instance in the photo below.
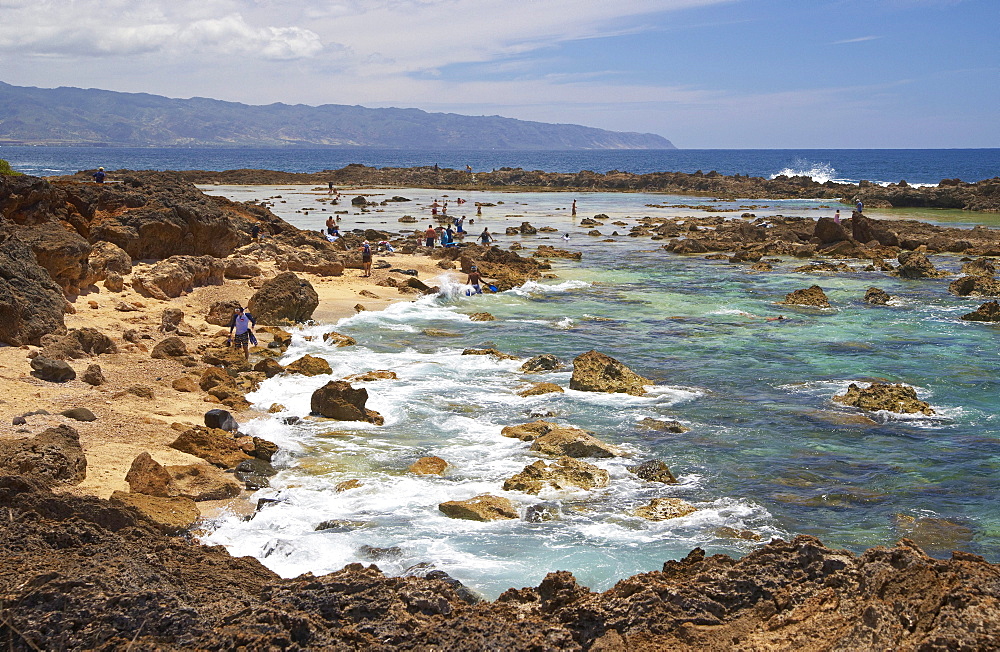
(767, 451)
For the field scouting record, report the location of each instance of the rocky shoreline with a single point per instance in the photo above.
(981, 195)
(136, 280)
(83, 573)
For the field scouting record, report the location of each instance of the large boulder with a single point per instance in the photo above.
(865, 230)
(811, 296)
(62, 252)
(212, 445)
(597, 372)
(484, 507)
(220, 419)
(885, 396)
(828, 231)
(989, 311)
(147, 476)
(53, 456)
(170, 347)
(285, 299)
(564, 474)
(178, 275)
(338, 400)
(31, 303)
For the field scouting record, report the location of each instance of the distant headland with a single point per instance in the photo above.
(76, 116)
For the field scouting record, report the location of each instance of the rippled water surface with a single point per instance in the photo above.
(768, 451)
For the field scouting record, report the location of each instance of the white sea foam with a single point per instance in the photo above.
(818, 172)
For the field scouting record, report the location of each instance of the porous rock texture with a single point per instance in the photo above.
(597, 372)
(284, 299)
(82, 573)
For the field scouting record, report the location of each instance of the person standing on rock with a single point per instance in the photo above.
(242, 323)
(430, 235)
(836, 217)
(366, 258)
(859, 207)
(99, 175)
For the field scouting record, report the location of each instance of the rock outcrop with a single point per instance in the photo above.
(885, 396)
(989, 311)
(480, 508)
(82, 554)
(53, 456)
(597, 372)
(811, 296)
(283, 300)
(338, 400)
(563, 474)
(178, 275)
(31, 303)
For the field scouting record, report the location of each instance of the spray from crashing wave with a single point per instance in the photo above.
(818, 172)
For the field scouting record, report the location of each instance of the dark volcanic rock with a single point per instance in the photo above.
(885, 396)
(338, 400)
(989, 311)
(913, 264)
(811, 296)
(83, 554)
(31, 303)
(53, 456)
(285, 299)
(877, 297)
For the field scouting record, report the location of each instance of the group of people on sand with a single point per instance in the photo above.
(446, 235)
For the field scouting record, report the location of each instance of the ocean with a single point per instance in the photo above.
(916, 166)
(768, 452)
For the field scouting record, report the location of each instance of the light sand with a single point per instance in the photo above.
(126, 424)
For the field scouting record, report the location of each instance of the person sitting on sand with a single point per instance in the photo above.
(366, 258)
(430, 235)
(485, 236)
(475, 279)
(243, 323)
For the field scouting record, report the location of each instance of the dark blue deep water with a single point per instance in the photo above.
(922, 166)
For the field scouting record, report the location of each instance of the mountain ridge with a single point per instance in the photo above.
(75, 116)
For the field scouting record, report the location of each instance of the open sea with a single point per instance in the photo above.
(768, 453)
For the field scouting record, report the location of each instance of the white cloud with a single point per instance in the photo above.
(860, 39)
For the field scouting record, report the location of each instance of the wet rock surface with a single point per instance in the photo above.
(885, 396)
(85, 573)
(597, 372)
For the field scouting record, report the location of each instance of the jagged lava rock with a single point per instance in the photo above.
(914, 264)
(877, 297)
(661, 509)
(563, 474)
(212, 445)
(654, 471)
(31, 303)
(172, 515)
(572, 442)
(811, 296)
(178, 275)
(885, 396)
(53, 456)
(147, 476)
(539, 363)
(989, 311)
(201, 482)
(597, 372)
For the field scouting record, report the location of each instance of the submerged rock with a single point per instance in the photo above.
(885, 396)
(541, 388)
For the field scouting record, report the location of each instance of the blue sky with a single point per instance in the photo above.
(703, 73)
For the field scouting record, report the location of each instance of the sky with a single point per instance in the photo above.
(702, 73)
